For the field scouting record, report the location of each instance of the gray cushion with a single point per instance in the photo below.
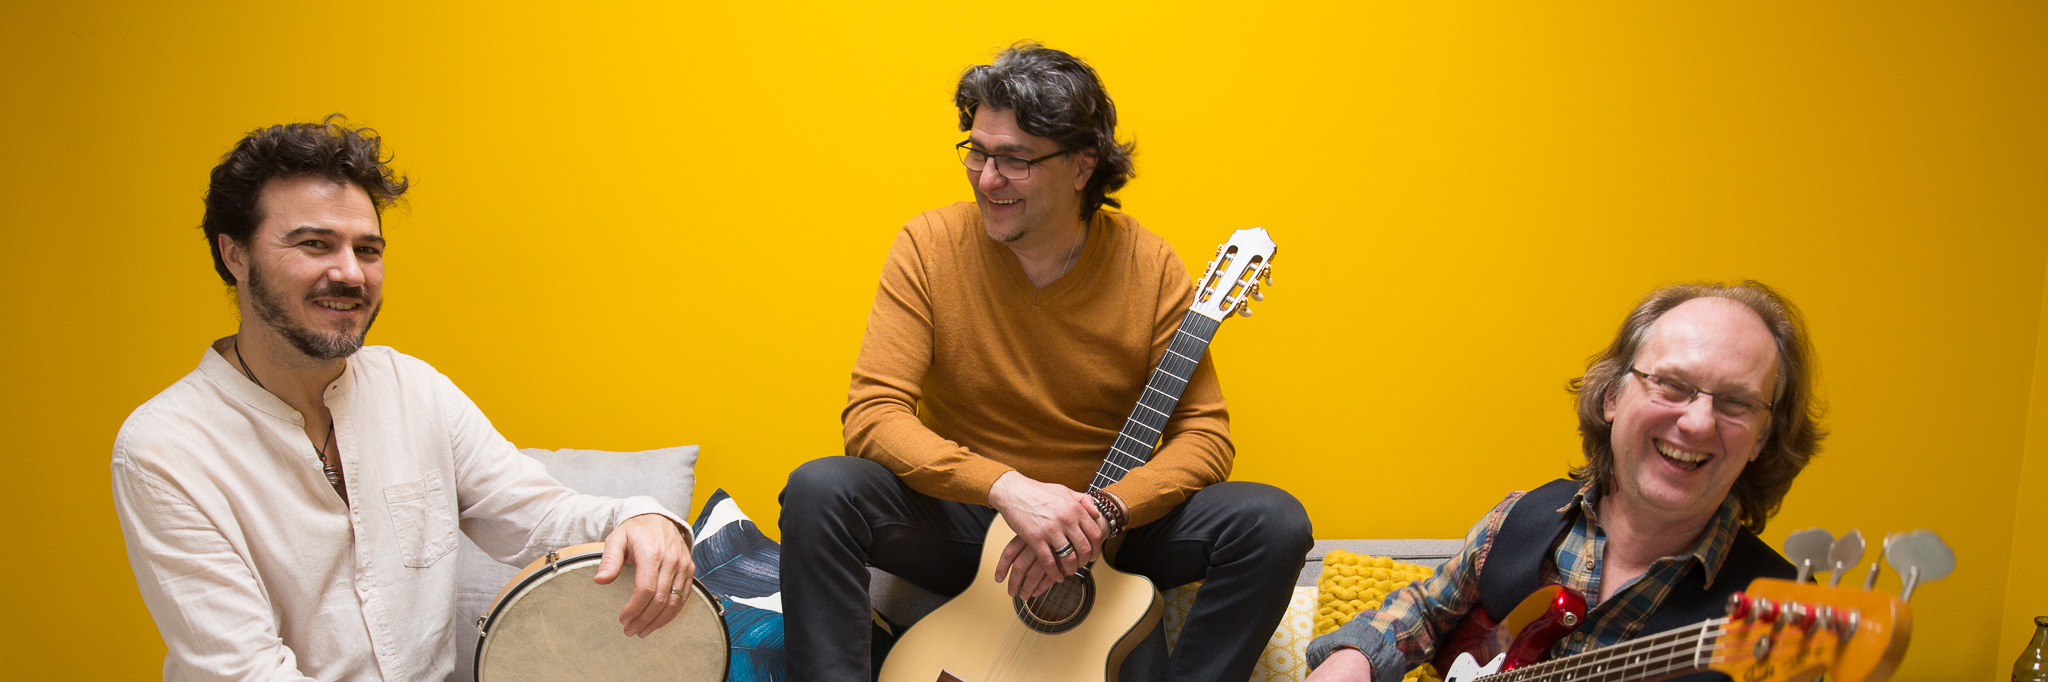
(668, 475)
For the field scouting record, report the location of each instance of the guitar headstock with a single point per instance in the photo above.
(1785, 631)
(1234, 276)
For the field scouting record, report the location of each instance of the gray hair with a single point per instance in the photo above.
(1059, 97)
(1795, 430)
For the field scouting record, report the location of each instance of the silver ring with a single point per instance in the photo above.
(1064, 552)
(675, 591)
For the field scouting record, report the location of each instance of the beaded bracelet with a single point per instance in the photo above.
(1111, 511)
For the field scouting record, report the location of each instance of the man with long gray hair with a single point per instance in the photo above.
(1008, 340)
(1694, 422)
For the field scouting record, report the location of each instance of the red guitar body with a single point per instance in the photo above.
(1522, 638)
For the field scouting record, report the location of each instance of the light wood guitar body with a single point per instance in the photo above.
(980, 637)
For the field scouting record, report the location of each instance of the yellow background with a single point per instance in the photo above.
(647, 225)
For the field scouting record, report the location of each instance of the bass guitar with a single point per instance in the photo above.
(1084, 626)
(1776, 631)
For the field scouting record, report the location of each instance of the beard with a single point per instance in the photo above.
(334, 345)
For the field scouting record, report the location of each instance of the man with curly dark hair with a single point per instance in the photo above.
(1009, 338)
(1693, 422)
(289, 506)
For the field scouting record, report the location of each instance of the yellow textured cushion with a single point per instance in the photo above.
(1353, 583)
(1350, 583)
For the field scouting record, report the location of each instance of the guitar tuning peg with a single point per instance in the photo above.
(1244, 310)
(1844, 555)
(1267, 275)
(1920, 557)
(1808, 551)
(1256, 296)
(1870, 579)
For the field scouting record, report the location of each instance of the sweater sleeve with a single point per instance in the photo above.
(1195, 449)
(880, 421)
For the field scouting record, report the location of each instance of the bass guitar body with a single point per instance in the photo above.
(1081, 629)
(1481, 646)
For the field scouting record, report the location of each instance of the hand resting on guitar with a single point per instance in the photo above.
(1046, 516)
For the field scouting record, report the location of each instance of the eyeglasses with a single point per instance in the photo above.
(1678, 393)
(1012, 167)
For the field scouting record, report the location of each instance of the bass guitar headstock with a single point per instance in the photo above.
(1233, 277)
(1785, 631)
(1791, 631)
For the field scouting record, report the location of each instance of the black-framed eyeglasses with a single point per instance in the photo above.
(1676, 392)
(1012, 167)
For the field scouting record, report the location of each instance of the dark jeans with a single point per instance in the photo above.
(1245, 541)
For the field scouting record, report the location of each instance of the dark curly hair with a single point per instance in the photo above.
(1059, 97)
(329, 149)
(1795, 430)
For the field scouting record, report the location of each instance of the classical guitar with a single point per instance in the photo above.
(1776, 631)
(1084, 626)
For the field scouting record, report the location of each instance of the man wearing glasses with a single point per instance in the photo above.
(1008, 340)
(1694, 422)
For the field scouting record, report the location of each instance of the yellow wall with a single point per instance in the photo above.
(2027, 595)
(655, 224)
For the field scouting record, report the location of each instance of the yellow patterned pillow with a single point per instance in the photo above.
(1286, 656)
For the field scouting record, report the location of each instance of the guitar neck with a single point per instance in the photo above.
(1141, 432)
(1666, 653)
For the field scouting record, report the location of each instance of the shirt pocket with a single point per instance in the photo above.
(422, 518)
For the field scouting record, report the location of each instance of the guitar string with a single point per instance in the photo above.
(1183, 346)
(1607, 656)
(1183, 358)
(1672, 653)
(1618, 660)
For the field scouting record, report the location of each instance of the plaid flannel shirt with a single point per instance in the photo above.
(1404, 633)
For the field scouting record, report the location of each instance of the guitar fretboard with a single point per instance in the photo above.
(1665, 653)
(1140, 435)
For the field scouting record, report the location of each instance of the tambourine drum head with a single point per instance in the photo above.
(562, 626)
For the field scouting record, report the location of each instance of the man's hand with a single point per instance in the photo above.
(661, 570)
(1345, 665)
(1047, 517)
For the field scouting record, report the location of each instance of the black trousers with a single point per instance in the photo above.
(1245, 541)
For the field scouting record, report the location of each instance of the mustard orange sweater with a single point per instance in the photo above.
(967, 371)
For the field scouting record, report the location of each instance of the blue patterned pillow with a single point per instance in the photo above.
(744, 567)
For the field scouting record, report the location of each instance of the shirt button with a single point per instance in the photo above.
(1589, 564)
(1578, 636)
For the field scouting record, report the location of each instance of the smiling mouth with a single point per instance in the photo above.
(337, 305)
(1687, 461)
(1003, 202)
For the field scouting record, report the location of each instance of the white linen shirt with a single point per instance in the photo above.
(253, 567)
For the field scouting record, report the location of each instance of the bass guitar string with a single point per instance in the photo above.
(1667, 646)
(1606, 664)
(1669, 652)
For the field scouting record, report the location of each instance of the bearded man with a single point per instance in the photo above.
(289, 506)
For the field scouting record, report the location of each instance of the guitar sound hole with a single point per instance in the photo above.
(1061, 608)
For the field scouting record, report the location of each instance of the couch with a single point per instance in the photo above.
(668, 476)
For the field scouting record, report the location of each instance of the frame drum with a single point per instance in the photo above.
(553, 622)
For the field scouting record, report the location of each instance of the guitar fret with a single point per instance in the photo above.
(1156, 402)
(1676, 651)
